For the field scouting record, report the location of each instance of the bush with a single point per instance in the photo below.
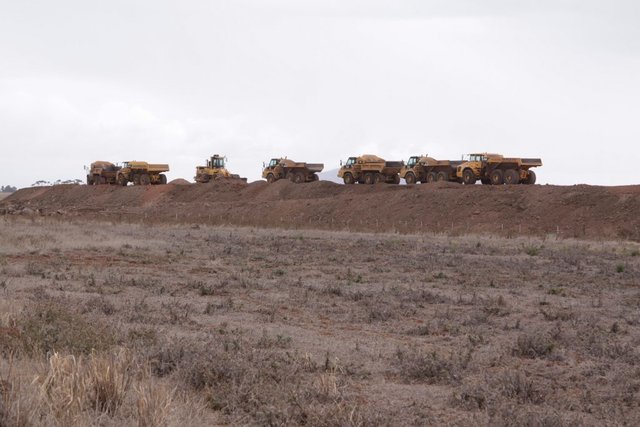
(46, 328)
(533, 345)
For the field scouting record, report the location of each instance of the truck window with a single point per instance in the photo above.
(351, 161)
(412, 161)
(218, 163)
(273, 162)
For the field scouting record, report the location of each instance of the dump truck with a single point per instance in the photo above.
(369, 169)
(102, 172)
(495, 169)
(142, 173)
(215, 169)
(427, 169)
(297, 172)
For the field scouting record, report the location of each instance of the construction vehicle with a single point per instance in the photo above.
(142, 173)
(215, 169)
(296, 172)
(495, 169)
(102, 172)
(427, 169)
(369, 169)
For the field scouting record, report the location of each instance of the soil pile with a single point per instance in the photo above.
(569, 211)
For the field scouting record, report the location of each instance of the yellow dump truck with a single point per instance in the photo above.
(369, 169)
(297, 172)
(427, 169)
(102, 172)
(495, 169)
(215, 169)
(142, 173)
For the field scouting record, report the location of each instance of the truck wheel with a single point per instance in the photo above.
(468, 177)
(511, 176)
(368, 178)
(531, 179)
(145, 179)
(379, 178)
(396, 179)
(298, 178)
(348, 179)
(163, 179)
(315, 177)
(442, 176)
(431, 177)
(271, 178)
(89, 180)
(136, 180)
(121, 180)
(410, 178)
(497, 177)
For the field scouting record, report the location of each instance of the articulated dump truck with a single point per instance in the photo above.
(297, 172)
(495, 169)
(102, 172)
(427, 169)
(370, 169)
(142, 173)
(215, 169)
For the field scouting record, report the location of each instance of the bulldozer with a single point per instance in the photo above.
(495, 169)
(297, 172)
(102, 172)
(369, 169)
(142, 173)
(215, 169)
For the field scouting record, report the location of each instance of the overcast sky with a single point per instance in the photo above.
(319, 81)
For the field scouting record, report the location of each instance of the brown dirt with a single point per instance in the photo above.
(579, 211)
(179, 181)
(304, 327)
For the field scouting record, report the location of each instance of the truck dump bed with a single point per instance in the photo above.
(531, 162)
(159, 168)
(314, 167)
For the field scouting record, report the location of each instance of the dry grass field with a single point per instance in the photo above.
(125, 324)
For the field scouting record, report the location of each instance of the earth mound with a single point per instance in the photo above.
(578, 211)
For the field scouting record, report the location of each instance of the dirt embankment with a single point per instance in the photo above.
(571, 211)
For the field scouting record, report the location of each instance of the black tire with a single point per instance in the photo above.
(348, 179)
(271, 178)
(442, 176)
(396, 179)
(485, 181)
(511, 177)
(163, 179)
(145, 179)
(315, 177)
(298, 177)
(410, 178)
(369, 179)
(468, 177)
(531, 178)
(432, 177)
(121, 180)
(89, 180)
(379, 178)
(136, 180)
(497, 177)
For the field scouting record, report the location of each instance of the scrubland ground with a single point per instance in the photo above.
(120, 324)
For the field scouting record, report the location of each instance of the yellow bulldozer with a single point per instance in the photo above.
(495, 169)
(142, 173)
(215, 169)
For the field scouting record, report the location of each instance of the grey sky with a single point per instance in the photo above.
(319, 81)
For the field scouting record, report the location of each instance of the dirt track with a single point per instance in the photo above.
(571, 211)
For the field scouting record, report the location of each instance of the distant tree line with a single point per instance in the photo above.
(7, 189)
